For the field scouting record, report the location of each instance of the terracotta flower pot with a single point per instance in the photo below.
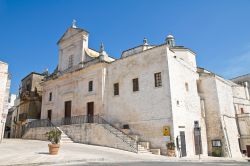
(171, 153)
(54, 148)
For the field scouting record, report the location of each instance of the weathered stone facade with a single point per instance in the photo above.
(220, 98)
(148, 89)
(242, 107)
(29, 103)
(145, 111)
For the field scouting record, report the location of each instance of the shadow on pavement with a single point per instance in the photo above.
(43, 153)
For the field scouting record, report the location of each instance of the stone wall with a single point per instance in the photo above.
(147, 110)
(37, 133)
(185, 101)
(220, 114)
(93, 134)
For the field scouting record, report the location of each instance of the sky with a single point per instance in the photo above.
(218, 31)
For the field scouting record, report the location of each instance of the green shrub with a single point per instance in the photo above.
(171, 145)
(217, 152)
(54, 136)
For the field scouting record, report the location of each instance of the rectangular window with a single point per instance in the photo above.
(50, 96)
(116, 89)
(90, 86)
(70, 61)
(158, 81)
(135, 84)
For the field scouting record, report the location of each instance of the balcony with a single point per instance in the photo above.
(23, 117)
(30, 95)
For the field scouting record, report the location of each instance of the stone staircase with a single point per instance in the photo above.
(128, 139)
(64, 137)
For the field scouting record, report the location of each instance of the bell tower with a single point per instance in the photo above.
(170, 40)
(71, 47)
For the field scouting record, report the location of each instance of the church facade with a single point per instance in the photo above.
(154, 90)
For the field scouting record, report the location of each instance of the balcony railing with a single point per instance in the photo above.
(38, 123)
(23, 117)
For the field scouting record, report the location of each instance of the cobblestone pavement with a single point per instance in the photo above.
(32, 152)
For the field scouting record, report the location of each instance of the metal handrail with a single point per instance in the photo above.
(133, 143)
(39, 123)
(81, 120)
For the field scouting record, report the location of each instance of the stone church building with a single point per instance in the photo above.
(155, 91)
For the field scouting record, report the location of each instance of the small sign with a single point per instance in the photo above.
(166, 138)
(166, 131)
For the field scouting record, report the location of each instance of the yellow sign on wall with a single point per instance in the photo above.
(166, 131)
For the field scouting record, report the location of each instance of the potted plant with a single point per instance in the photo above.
(171, 149)
(54, 136)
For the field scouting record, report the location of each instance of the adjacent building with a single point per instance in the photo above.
(4, 95)
(243, 115)
(11, 100)
(28, 104)
(222, 101)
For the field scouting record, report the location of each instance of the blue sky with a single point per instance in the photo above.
(218, 31)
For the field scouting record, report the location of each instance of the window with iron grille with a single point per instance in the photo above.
(90, 86)
(242, 110)
(70, 61)
(116, 89)
(50, 96)
(158, 81)
(135, 84)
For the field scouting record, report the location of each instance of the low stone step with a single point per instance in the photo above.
(145, 152)
(156, 151)
(144, 144)
(67, 141)
(135, 136)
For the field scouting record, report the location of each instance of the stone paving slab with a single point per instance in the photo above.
(34, 152)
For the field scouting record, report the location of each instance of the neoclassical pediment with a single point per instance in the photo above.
(70, 33)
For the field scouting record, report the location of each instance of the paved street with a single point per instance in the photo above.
(31, 152)
(164, 164)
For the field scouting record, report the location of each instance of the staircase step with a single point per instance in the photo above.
(67, 141)
(144, 144)
(156, 151)
(64, 137)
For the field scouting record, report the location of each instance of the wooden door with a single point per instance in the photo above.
(90, 112)
(49, 114)
(67, 109)
(248, 150)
